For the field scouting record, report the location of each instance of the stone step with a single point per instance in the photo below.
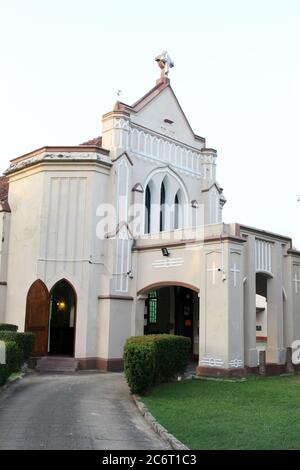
(57, 364)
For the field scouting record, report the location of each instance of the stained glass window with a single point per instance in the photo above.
(152, 305)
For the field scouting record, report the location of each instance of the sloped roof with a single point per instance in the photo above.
(140, 103)
(97, 141)
(4, 206)
(148, 97)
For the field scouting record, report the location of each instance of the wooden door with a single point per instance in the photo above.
(37, 316)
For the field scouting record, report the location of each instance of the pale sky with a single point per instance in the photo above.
(236, 75)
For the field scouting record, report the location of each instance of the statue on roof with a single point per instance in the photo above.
(165, 63)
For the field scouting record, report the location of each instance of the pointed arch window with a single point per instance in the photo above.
(176, 212)
(147, 210)
(162, 207)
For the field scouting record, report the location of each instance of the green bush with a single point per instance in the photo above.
(152, 359)
(25, 341)
(8, 327)
(13, 361)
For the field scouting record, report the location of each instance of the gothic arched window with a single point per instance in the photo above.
(148, 210)
(162, 208)
(176, 212)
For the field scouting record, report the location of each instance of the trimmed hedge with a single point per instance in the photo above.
(13, 361)
(152, 359)
(25, 341)
(8, 327)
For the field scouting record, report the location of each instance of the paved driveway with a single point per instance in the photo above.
(85, 410)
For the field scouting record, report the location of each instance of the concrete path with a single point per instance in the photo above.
(84, 410)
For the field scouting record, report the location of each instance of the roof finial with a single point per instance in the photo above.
(165, 63)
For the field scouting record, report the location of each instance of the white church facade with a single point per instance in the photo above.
(123, 236)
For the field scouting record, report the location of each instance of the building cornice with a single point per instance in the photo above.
(264, 233)
(62, 149)
(53, 155)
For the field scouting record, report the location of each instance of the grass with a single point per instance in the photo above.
(259, 413)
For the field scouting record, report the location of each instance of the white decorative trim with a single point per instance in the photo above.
(263, 255)
(296, 281)
(121, 124)
(235, 271)
(170, 263)
(236, 363)
(212, 361)
(149, 146)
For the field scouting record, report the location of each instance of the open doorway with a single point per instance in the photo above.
(174, 310)
(62, 319)
(261, 312)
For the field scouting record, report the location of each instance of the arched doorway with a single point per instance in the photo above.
(261, 311)
(37, 316)
(173, 309)
(62, 319)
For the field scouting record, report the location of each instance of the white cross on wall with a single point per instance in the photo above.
(296, 281)
(214, 269)
(234, 270)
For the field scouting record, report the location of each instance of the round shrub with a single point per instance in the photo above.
(151, 359)
(25, 341)
(13, 361)
(8, 327)
(139, 364)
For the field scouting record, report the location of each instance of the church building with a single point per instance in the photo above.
(123, 235)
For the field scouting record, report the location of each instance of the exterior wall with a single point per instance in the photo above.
(25, 200)
(267, 254)
(155, 146)
(53, 236)
(4, 239)
(292, 326)
(221, 308)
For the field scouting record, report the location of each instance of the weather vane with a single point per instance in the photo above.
(165, 63)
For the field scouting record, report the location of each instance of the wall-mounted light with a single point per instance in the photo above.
(165, 251)
(61, 305)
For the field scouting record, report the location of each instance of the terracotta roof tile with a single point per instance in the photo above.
(96, 141)
(4, 206)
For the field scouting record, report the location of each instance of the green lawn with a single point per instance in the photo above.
(260, 413)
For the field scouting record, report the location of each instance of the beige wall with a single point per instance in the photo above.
(4, 239)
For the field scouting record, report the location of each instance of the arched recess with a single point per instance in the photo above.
(37, 316)
(172, 308)
(262, 311)
(62, 320)
(147, 209)
(158, 285)
(178, 210)
(162, 211)
(164, 184)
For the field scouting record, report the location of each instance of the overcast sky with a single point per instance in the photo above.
(236, 75)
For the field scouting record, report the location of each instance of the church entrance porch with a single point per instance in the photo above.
(173, 310)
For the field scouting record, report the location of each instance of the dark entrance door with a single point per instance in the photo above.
(184, 307)
(62, 319)
(172, 309)
(37, 316)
